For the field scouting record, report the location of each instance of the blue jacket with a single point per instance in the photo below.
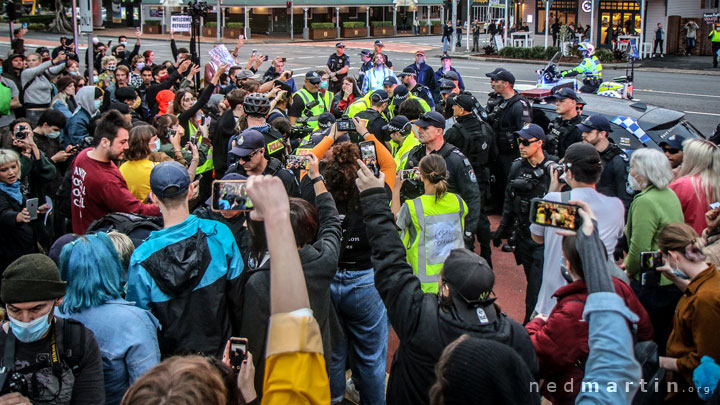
(425, 75)
(128, 344)
(78, 128)
(188, 276)
(439, 74)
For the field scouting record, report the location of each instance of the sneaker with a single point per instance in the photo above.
(507, 248)
(351, 393)
(662, 56)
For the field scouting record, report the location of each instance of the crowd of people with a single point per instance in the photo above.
(153, 219)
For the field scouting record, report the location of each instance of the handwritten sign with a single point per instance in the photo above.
(220, 55)
(180, 23)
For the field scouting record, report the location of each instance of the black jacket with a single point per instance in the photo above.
(319, 262)
(155, 88)
(375, 123)
(273, 168)
(613, 181)
(475, 140)
(224, 130)
(423, 327)
(17, 238)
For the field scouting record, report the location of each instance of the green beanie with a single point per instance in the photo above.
(33, 277)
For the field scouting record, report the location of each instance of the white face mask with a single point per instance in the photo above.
(634, 184)
(676, 270)
(156, 145)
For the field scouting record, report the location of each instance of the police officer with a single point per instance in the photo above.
(307, 101)
(508, 111)
(402, 140)
(462, 179)
(305, 144)
(474, 138)
(446, 88)
(590, 68)
(366, 58)
(408, 78)
(529, 178)
(257, 107)
(616, 165)
(563, 130)
(338, 64)
(379, 101)
(400, 93)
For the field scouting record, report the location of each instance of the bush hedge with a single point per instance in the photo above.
(45, 19)
(322, 26)
(211, 24)
(353, 24)
(536, 52)
(605, 55)
(423, 23)
(381, 23)
(235, 25)
(151, 22)
(435, 22)
(37, 27)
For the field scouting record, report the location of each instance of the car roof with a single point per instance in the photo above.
(647, 115)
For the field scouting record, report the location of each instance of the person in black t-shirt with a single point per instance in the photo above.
(339, 64)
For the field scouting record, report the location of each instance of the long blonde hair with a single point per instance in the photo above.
(701, 162)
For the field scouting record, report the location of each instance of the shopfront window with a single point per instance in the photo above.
(618, 18)
(566, 11)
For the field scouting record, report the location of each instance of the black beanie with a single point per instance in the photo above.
(488, 370)
(33, 277)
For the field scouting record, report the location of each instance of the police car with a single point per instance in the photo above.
(634, 124)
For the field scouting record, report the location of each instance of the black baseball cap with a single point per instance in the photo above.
(674, 141)
(400, 94)
(530, 131)
(325, 120)
(379, 43)
(408, 71)
(313, 77)
(339, 45)
(248, 141)
(365, 52)
(379, 96)
(464, 101)
(431, 119)
(398, 123)
(446, 86)
(445, 56)
(584, 156)
(471, 282)
(169, 179)
(501, 74)
(598, 122)
(389, 81)
(566, 92)
(450, 75)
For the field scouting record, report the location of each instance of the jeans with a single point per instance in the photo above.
(446, 44)
(658, 42)
(690, 45)
(458, 43)
(416, 29)
(476, 43)
(364, 320)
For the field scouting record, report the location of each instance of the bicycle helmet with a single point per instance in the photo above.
(256, 104)
(587, 49)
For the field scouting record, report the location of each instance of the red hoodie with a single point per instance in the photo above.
(99, 189)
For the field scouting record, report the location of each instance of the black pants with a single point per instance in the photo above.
(715, 49)
(483, 228)
(555, 39)
(660, 43)
(660, 303)
(476, 43)
(501, 170)
(530, 255)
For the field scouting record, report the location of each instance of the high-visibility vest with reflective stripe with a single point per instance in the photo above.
(437, 228)
(426, 108)
(401, 152)
(714, 36)
(320, 108)
(359, 105)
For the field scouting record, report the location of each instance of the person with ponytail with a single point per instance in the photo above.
(431, 225)
(694, 328)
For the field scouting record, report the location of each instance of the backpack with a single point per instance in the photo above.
(136, 227)
(5, 99)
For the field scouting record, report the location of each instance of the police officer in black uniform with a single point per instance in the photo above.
(338, 64)
(616, 165)
(475, 140)
(445, 88)
(257, 107)
(367, 64)
(529, 178)
(408, 78)
(507, 112)
(462, 179)
(379, 101)
(563, 130)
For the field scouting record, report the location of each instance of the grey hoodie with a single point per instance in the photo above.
(40, 90)
(85, 99)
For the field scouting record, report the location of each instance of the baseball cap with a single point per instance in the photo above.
(408, 71)
(471, 282)
(450, 75)
(674, 141)
(365, 52)
(325, 120)
(501, 74)
(446, 86)
(339, 45)
(583, 155)
(567, 93)
(379, 96)
(530, 131)
(318, 136)
(465, 101)
(445, 56)
(244, 74)
(431, 119)
(400, 94)
(313, 77)
(420, 52)
(15, 55)
(248, 141)
(389, 81)
(397, 123)
(378, 43)
(595, 122)
(169, 179)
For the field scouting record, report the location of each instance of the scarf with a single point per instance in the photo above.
(13, 190)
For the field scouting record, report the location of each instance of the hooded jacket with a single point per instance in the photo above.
(78, 125)
(188, 276)
(422, 325)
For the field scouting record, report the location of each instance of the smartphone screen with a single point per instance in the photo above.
(230, 195)
(650, 260)
(715, 205)
(238, 352)
(32, 207)
(555, 214)
(369, 156)
(298, 162)
(408, 174)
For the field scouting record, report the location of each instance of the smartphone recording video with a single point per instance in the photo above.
(230, 196)
(369, 156)
(298, 162)
(238, 352)
(409, 174)
(555, 214)
(345, 124)
(650, 260)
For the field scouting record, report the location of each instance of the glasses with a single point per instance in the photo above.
(671, 151)
(525, 142)
(250, 156)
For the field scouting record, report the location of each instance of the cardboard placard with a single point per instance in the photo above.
(180, 23)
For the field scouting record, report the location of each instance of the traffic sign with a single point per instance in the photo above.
(86, 16)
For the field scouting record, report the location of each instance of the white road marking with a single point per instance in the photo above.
(701, 113)
(677, 93)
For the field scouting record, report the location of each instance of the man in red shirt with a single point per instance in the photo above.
(98, 188)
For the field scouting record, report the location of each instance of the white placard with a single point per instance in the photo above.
(529, 18)
(220, 55)
(180, 23)
(498, 42)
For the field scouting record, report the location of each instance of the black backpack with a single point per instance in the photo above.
(135, 226)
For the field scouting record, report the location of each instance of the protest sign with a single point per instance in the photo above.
(220, 55)
(180, 23)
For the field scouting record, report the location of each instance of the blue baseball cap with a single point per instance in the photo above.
(674, 141)
(530, 131)
(566, 92)
(169, 179)
(389, 81)
(365, 52)
(248, 141)
(598, 122)
(431, 119)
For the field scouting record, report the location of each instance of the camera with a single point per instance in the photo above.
(20, 132)
(345, 124)
(198, 9)
(300, 131)
(549, 165)
(15, 382)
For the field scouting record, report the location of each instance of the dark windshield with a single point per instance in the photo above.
(678, 127)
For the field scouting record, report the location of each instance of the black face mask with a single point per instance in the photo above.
(121, 55)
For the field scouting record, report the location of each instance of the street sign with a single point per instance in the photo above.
(86, 16)
(711, 18)
(180, 23)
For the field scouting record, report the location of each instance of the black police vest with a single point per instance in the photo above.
(504, 135)
(528, 183)
(557, 132)
(476, 141)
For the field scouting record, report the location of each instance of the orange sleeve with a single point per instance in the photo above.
(319, 151)
(385, 160)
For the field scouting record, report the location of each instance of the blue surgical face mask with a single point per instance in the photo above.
(123, 43)
(74, 73)
(98, 103)
(157, 145)
(30, 331)
(324, 84)
(679, 273)
(140, 65)
(53, 135)
(1, 70)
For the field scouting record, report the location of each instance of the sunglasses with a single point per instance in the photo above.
(525, 142)
(671, 151)
(250, 156)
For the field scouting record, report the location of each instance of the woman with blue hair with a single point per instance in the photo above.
(126, 334)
